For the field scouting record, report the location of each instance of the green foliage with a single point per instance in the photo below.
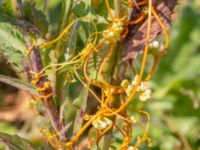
(175, 105)
(35, 16)
(11, 37)
(18, 83)
(12, 44)
(14, 142)
(6, 6)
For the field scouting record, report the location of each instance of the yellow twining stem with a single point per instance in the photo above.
(103, 105)
(127, 139)
(65, 31)
(163, 27)
(148, 119)
(143, 61)
(75, 60)
(145, 137)
(106, 59)
(82, 55)
(138, 20)
(42, 88)
(28, 51)
(60, 36)
(104, 111)
(80, 132)
(108, 86)
(158, 57)
(53, 139)
(109, 12)
(136, 4)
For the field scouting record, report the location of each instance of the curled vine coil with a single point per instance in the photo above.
(107, 116)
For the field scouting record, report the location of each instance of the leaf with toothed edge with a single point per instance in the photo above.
(11, 37)
(14, 142)
(20, 84)
(12, 44)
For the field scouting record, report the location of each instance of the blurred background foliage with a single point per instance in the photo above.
(175, 105)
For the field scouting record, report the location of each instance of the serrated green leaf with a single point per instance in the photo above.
(12, 44)
(15, 142)
(20, 84)
(40, 21)
(14, 21)
(6, 7)
(11, 37)
(12, 56)
(35, 16)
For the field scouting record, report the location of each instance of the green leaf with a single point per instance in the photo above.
(12, 44)
(15, 21)
(18, 84)
(15, 142)
(40, 21)
(35, 16)
(12, 56)
(6, 6)
(11, 37)
(83, 97)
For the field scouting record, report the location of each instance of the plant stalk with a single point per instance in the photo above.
(59, 85)
(118, 8)
(36, 66)
(118, 14)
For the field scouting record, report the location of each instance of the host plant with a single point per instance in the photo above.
(83, 63)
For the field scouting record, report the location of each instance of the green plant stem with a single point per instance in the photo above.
(36, 66)
(80, 113)
(67, 5)
(118, 14)
(118, 8)
(45, 8)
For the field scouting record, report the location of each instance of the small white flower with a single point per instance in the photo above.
(125, 83)
(95, 123)
(143, 89)
(133, 119)
(101, 123)
(143, 86)
(162, 47)
(111, 34)
(151, 45)
(130, 148)
(145, 95)
(156, 44)
(108, 121)
(129, 89)
(115, 25)
(135, 80)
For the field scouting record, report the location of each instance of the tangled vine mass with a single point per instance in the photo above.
(132, 31)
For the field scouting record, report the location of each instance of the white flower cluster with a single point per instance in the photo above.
(133, 119)
(101, 122)
(113, 34)
(143, 89)
(156, 45)
(132, 148)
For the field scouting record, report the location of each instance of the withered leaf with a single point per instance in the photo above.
(136, 39)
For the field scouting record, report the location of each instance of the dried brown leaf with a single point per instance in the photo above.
(136, 39)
